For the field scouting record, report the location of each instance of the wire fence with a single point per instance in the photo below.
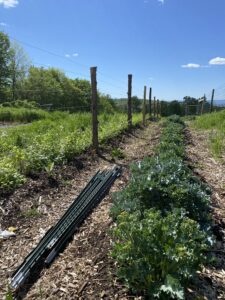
(106, 83)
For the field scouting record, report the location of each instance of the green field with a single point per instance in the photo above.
(29, 149)
(215, 124)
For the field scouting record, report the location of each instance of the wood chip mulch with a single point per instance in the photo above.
(85, 269)
(211, 281)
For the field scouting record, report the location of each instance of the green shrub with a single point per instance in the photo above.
(117, 153)
(12, 114)
(158, 255)
(20, 103)
(10, 178)
(175, 119)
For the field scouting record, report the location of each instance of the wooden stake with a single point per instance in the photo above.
(203, 103)
(94, 107)
(212, 99)
(150, 103)
(129, 101)
(154, 107)
(144, 105)
(157, 108)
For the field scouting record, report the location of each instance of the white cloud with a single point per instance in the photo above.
(191, 66)
(217, 61)
(161, 1)
(75, 54)
(9, 3)
(67, 55)
(3, 24)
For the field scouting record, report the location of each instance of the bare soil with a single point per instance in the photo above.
(211, 281)
(84, 270)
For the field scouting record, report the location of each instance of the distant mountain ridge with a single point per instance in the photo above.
(219, 102)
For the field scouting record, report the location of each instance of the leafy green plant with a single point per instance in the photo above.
(31, 213)
(164, 184)
(117, 153)
(56, 140)
(175, 119)
(10, 178)
(158, 255)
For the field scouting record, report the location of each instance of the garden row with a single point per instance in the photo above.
(162, 230)
(27, 150)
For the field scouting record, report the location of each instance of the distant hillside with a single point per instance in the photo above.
(219, 102)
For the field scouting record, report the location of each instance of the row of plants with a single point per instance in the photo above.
(27, 150)
(215, 124)
(162, 221)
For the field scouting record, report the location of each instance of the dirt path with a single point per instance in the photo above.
(211, 282)
(84, 270)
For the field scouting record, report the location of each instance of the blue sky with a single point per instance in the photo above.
(175, 46)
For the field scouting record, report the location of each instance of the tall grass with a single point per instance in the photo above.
(26, 115)
(215, 124)
(25, 150)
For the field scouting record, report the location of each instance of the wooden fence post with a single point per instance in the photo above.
(157, 108)
(94, 107)
(144, 105)
(150, 103)
(203, 104)
(212, 99)
(129, 102)
(154, 107)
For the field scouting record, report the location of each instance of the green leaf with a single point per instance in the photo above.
(172, 288)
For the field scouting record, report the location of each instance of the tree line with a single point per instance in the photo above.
(47, 87)
(167, 108)
(51, 88)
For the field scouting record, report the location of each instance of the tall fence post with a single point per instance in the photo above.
(94, 108)
(212, 99)
(157, 108)
(129, 101)
(154, 107)
(203, 104)
(144, 105)
(150, 103)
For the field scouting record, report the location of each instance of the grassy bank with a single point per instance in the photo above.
(25, 150)
(215, 124)
(27, 115)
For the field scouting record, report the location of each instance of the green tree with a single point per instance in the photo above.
(106, 103)
(41, 86)
(52, 87)
(19, 66)
(136, 104)
(5, 55)
(192, 103)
